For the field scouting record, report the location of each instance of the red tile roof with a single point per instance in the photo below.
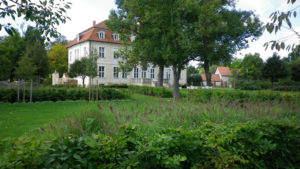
(224, 71)
(90, 34)
(214, 77)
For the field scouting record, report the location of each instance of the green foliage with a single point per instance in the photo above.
(26, 68)
(252, 65)
(58, 58)
(195, 79)
(61, 94)
(274, 68)
(79, 68)
(151, 91)
(295, 70)
(239, 95)
(262, 144)
(47, 15)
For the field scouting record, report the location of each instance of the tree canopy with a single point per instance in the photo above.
(46, 14)
(274, 68)
(252, 65)
(58, 58)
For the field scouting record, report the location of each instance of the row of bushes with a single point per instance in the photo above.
(283, 85)
(265, 144)
(60, 94)
(151, 91)
(203, 95)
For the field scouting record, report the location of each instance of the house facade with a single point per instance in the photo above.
(221, 78)
(106, 43)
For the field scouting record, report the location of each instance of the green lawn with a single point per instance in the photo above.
(19, 118)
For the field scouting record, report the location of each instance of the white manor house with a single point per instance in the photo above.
(107, 43)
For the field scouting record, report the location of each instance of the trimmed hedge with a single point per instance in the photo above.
(203, 95)
(264, 144)
(152, 91)
(60, 94)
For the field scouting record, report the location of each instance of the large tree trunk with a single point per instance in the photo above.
(161, 76)
(83, 78)
(176, 93)
(207, 73)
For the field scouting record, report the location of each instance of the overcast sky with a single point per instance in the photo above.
(84, 12)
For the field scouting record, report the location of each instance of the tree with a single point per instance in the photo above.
(36, 51)
(58, 59)
(163, 26)
(91, 69)
(295, 70)
(146, 48)
(11, 48)
(295, 54)
(26, 70)
(5, 67)
(79, 68)
(236, 67)
(281, 19)
(274, 69)
(192, 70)
(46, 14)
(252, 64)
(221, 32)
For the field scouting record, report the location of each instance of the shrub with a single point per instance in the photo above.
(258, 144)
(61, 94)
(152, 91)
(239, 95)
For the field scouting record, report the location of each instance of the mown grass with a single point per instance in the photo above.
(21, 118)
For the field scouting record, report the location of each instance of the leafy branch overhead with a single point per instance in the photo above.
(47, 14)
(278, 20)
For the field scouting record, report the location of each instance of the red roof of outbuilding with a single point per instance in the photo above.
(224, 71)
(214, 77)
(90, 34)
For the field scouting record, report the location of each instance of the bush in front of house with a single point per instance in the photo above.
(61, 94)
(152, 91)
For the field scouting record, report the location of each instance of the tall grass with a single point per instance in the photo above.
(156, 115)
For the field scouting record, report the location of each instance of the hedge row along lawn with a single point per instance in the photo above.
(61, 94)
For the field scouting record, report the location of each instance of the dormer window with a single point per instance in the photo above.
(116, 36)
(101, 35)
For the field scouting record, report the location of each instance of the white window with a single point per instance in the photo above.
(116, 36)
(101, 35)
(168, 74)
(76, 54)
(136, 73)
(116, 72)
(101, 52)
(101, 71)
(152, 73)
(116, 53)
(124, 74)
(144, 73)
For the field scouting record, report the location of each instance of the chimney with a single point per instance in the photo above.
(94, 23)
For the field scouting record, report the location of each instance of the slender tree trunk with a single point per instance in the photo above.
(161, 76)
(207, 73)
(24, 90)
(31, 90)
(176, 93)
(97, 91)
(18, 85)
(90, 85)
